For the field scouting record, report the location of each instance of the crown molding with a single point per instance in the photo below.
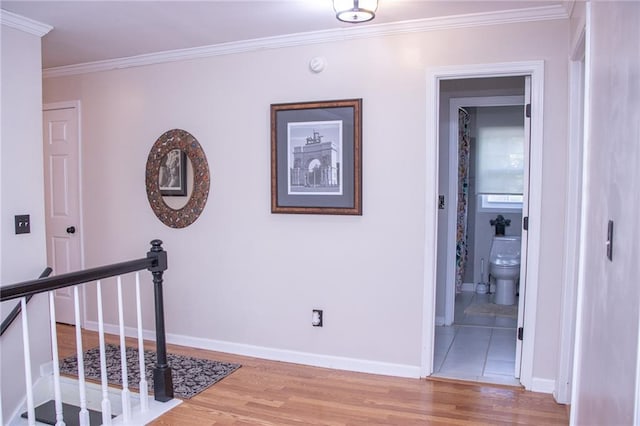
(21, 23)
(569, 7)
(545, 13)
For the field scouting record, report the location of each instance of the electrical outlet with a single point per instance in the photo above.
(316, 318)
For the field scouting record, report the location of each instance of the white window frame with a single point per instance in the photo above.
(486, 205)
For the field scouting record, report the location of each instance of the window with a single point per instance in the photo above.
(500, 202)
(500, 157)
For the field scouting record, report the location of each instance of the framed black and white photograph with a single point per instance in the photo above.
(172, 175)
(316, 157)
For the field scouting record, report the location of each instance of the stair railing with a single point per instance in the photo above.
(6, 323)
(156, 263)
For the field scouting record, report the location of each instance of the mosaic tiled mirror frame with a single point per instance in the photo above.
(185, 216)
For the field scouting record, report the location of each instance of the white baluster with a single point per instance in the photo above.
(144, 391)
(83, 416)
(56, 362)
(106, 404)
(31, 410)
(126, 400)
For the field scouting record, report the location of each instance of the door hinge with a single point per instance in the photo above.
(527, 110)
(525, 223)
(520, 332)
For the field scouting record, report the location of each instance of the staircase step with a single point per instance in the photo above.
(46, 413)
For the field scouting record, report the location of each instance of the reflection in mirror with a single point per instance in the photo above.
(172, 175)
(177, 178)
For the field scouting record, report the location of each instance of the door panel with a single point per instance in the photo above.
(59, 189)
(62, 206)
(525, 232)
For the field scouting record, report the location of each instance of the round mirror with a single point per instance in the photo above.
(177, 178)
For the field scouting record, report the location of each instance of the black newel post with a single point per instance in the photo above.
(162, 381)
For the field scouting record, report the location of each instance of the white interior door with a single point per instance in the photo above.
(525, 218)
(62, 200)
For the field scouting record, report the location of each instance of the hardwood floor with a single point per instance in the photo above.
(265, 392)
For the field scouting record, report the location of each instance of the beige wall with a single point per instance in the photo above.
(606, 377)
(23, 256)
(237, 275)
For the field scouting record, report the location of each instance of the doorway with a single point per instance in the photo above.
(434, 217)
(476, 339)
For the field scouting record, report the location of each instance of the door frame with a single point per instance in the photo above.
(77, 106)
(573, 220)
(535, 69)
(452, 209)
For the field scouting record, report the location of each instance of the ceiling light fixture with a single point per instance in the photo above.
(355, 11)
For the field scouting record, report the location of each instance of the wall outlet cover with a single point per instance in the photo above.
(316, 318)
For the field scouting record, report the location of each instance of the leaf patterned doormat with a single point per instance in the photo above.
(190, 375)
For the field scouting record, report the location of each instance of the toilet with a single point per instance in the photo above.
(504, 267)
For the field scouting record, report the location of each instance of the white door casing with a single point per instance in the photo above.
(573, 221)
(434, 75)
(61, 147)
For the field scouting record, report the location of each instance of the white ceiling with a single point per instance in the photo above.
(88, 31)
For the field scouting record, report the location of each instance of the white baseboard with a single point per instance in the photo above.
(275, 354)
(46, 369)
(296, 357)
(542, 385)
(128, 331)
(317, 360)
(469, 287)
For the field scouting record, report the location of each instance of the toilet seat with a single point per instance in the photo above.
(506, 261)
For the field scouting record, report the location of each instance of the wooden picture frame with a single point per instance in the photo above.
(316, 157)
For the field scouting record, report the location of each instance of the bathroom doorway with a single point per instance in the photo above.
(477, 339)
(435, 214)
(485, 185)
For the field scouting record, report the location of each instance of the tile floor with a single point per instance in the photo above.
(476, 348)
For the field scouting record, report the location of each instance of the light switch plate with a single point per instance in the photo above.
(610, 240)
(23, 224)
